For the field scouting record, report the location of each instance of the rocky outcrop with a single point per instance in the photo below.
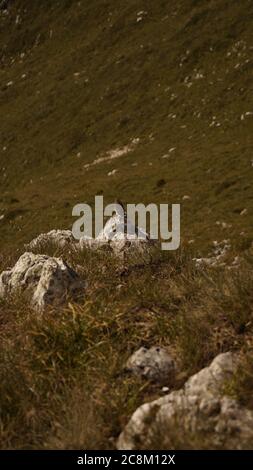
(59, 238)
(198, 415)
(120, 236)
(47, 280)
(153, 364)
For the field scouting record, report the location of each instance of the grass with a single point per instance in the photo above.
(62, 378)
(133, 78)
(79, 79)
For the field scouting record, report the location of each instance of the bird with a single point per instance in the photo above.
(126, 223)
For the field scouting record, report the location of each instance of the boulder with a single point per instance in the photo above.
(153, 364)
(197, 416)
(93, 244)
(60, 238)
(47, 280)
(120, 236)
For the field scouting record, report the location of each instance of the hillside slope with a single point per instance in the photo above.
(81, 79)
(143, 102)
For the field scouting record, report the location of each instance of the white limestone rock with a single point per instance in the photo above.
(60, 238)
(120, 236)
(47, 280)
(93, 244)
(154, 364)
(198, 409)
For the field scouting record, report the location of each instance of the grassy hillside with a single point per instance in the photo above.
(62, 378)
(145, 102)
(79, 79)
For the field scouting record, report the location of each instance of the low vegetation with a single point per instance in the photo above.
(62, 377)
(165, 88)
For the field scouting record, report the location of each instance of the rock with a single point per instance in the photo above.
(61, 238)
(49, 281)
(118, 228)
(154, 364)
(123, 236)
(93, 244)
(117, 236)
(244, 212)
(198, 415)
(120, 236)
(113, 172)
(218, 256)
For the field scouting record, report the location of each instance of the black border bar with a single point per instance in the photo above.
(109, 459)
